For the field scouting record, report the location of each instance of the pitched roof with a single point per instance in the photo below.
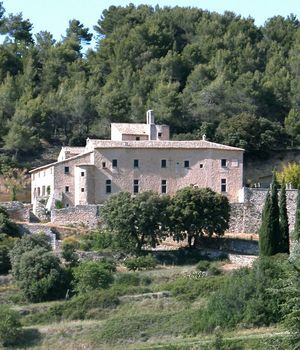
(197, 144)
(131, 128)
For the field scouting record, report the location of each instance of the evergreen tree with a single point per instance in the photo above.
(269, 233)
(283, 221)
(297, 219)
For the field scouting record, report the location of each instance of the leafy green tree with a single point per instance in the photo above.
(10, 326)
(269, 233)
(6, 244)
(92, 275)
(7, 226)
(284, 222)
(290, 174)
(40, 276)
(195, 212)
(297, 217)
(292, 125)
(137, 221)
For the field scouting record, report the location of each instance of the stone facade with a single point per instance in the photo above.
(81, 214)
(246, 217)
(135, 164)
(17, 211)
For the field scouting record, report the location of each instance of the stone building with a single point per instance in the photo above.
(138, 157)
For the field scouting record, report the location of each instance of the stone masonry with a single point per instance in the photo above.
(246, 217)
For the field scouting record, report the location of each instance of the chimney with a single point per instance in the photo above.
(150, 117)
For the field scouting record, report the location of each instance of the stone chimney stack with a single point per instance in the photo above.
(152, 134)
(150, 117)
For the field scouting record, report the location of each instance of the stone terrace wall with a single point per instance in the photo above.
(17, 211)
(81, 214)
(246, 217)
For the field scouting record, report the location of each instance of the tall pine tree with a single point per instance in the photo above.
(284, 221)
(269, 233)
(297, 219)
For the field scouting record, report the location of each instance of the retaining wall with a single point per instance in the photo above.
(81, 214)
(17, 211)
(246, 217)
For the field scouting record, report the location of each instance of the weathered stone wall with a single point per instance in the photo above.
(246, 217)
(29, 228)
(17, 211)
(81, 214)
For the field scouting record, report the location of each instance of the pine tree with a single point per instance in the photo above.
(283, 221)
(297, 219)
(269, 233)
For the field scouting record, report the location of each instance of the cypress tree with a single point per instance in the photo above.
(265, 241)
(269, 233)
(283, 221)
(297, 218)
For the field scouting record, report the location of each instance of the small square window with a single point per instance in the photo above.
(67, 189)
(201, 165)
(163, 163)
(159, 134)
(186, 163)
(223, 163)
(114, 163)
(137, 138)
(82, 173)
(135, 163)
(103, 164)
(67, 170)
(82, 189)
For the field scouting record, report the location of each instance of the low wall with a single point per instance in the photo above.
(81, 214)
(246, 217)
(17, 211)
(29, 228)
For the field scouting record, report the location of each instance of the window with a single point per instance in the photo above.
(67, 205)
(103, 165)
(163, 163)
(137, 138)
(223, 163)
(163, 186)
(108, 186)
(82, 173)
(159, 134)
(82, 189)
(135, 163)
(135, 186)
(186, 163)
(67, 170)
(223, 185)
(67, 189)
(114, 163)
(201, 165)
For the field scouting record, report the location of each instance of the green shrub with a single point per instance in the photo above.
(132, 279)
(10, 326)
(147, 262)
(97, 241)
(203, 265)
(59, 204)
(68, 252)
(92, 275)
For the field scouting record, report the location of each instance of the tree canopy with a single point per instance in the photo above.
(195, 68)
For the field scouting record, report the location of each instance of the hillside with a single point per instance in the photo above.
(200, 72)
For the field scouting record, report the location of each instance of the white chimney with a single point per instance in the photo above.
(150, 116)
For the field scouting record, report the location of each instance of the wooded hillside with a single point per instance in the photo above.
(200, 72)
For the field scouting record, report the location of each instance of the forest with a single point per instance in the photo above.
(201, 72)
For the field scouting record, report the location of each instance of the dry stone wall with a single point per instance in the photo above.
(246, 217)
(87, 215)
(17, 211)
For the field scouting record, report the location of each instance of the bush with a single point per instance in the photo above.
(6, 244)
(10, 326)
(68, 253)
(203, 265)
(6, 225)
(132, 279)
(147, 262)
(92, 275)
(97, 241)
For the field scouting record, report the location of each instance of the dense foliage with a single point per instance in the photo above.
(10, 326)
(200, 72)
(37, 270)
(147, 218)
